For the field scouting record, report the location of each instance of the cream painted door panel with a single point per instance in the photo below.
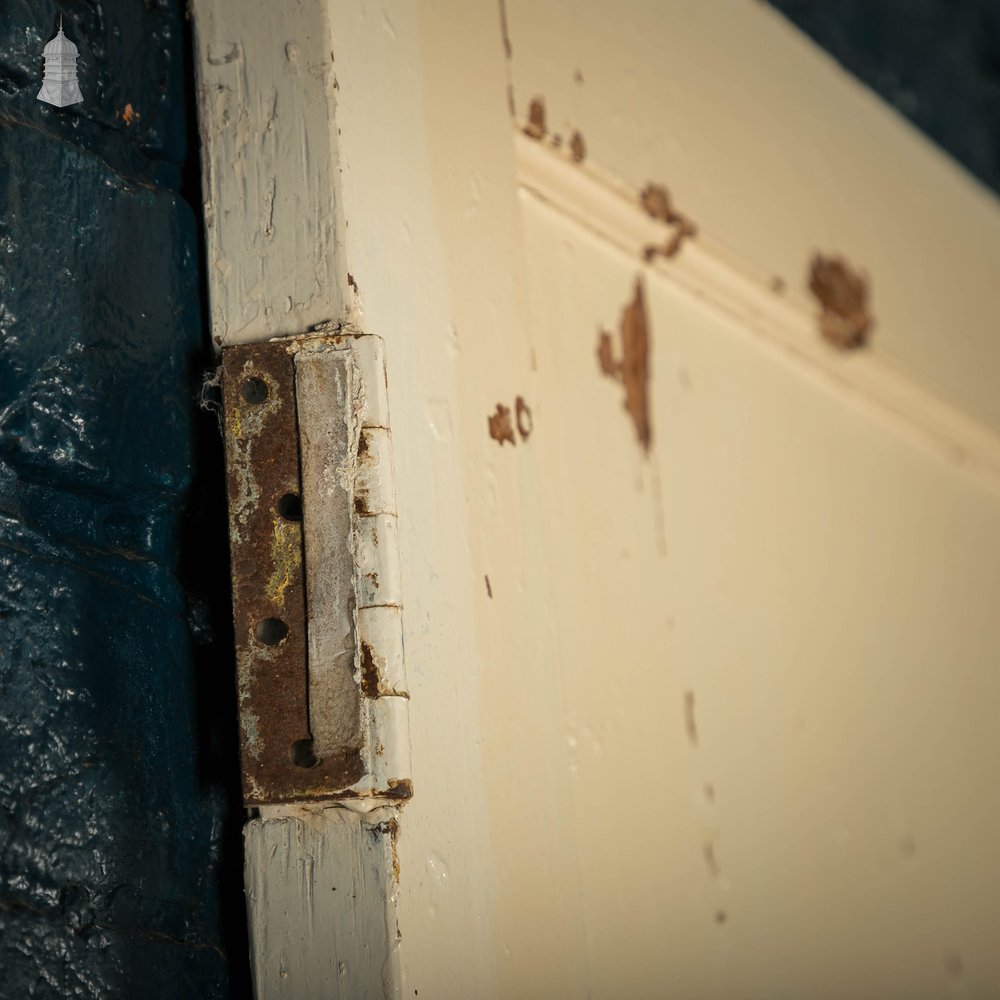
(712, 719)
(775, 657)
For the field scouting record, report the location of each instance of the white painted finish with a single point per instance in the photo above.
(717, 721)
(320, 876)
(265, 97)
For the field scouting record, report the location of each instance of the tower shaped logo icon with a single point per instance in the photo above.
(60, 86)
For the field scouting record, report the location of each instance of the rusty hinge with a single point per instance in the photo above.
(316, 597)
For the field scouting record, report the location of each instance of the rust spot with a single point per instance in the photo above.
(690, 723)
(128, 114)
(352, 282)
(399, 788)
(525, 424)
(361, 503)
(501, 426)
(685, 228)
(633, 368)
(577, 148)
(656, 202)
(369, 672)
(535, 128)
(843, 294)
(605, 355)
(489, 589)
(362, 443)
(655, 199)
(391, 827)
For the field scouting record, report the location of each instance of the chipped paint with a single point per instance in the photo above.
(535, 127)
(843, 295)
(391, 828)
(632, 369)
(501, 426)
(656, 202)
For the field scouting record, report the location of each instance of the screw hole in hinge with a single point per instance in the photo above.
(254, 390)
(302, 754)
(290, 507)
(271, 631)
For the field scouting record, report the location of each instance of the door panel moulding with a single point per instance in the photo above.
(783, 320)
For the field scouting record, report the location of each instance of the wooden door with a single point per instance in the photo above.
(691, 376)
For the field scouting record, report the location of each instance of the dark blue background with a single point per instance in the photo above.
(936, 61)
(119, 818)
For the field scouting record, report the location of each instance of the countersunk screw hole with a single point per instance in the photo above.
(290, 507)
(271, 631)
(254, 390)
(302, 754)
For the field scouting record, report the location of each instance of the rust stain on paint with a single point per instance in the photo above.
(369, 672)
(536, 128)
(655, 199)
(501, 426)
(399, 788)
(656, 202)
(843, 295)
(606, 355)
(578, 147)
(690, 723)
(632, 368)
(525, 422)
(391, 827)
